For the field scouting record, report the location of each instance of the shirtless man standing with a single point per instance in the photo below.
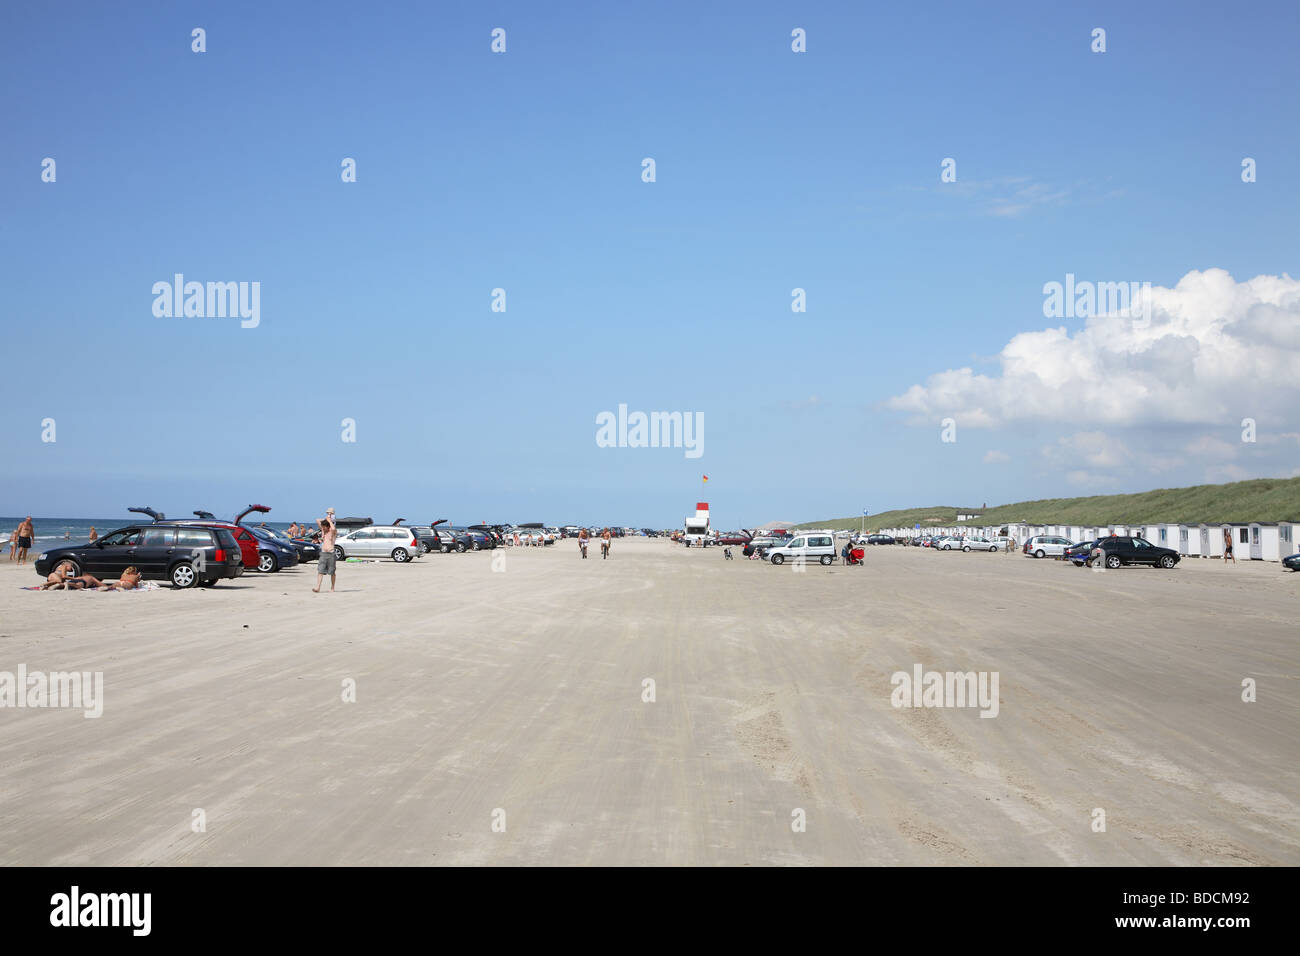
(327, 563)
(25, 535)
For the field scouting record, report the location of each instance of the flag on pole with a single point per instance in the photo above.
(706, 477)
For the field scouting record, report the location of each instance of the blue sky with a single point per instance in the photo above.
(522, 171)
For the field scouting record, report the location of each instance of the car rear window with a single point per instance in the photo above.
(227, 540)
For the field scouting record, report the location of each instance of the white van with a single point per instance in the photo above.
(809, 546)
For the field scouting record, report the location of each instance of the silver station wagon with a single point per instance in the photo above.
(378, 541)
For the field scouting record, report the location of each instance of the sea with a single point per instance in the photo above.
(51, 531)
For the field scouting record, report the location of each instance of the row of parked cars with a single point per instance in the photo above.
(1117, 550)
(205, 549)
(186, 551)
(403, 542)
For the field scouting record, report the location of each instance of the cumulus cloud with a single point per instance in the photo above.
(1213, 350)
(1097, 450)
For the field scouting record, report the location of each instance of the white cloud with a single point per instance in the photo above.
(1211, 447)
(1094, 449)
(1006, 197)
(1229, 472)
(1214, 350)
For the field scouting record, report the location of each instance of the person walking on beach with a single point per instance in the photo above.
(327, 563)
(1227, 547)
(25, 535)
(94, 535)
(606, 540)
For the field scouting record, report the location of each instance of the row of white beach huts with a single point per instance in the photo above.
(1251, 540)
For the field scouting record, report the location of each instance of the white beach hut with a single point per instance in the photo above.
(1173, 537)
(1264, 545)
(1239, 533)
(1189, 540)
(1211, 541)
(1288, 538)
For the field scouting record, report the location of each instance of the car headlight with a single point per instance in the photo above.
(42, 556)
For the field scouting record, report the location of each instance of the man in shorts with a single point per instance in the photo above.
(327, 563)
(25, 535)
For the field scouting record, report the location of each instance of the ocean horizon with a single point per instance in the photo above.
(49, 530)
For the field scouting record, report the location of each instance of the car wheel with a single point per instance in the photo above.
(76, 568)
(266, 562)
(445, 548)
(183, 575)
(400, 555)
(338, 552)
(460, 548)
(1113, 561)
(1038, 553)
(1167, 562)
(826, 559)
(778, 559)
(967, 548)
(477, 546)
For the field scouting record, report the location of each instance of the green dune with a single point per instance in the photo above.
(1260, 499)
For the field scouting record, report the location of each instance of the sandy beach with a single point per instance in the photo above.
(520, 689)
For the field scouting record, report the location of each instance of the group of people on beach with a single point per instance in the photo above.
(62, 579)
(606, 542)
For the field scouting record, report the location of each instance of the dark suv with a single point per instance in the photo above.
(1122, 550)
(184, 555)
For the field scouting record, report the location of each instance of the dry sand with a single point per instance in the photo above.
(522, 690)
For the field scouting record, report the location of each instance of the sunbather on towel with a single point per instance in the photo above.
(129, 581)
(60, 580)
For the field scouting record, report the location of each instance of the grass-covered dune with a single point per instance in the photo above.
(1261, 499)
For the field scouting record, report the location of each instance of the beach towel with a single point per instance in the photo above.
(142, 586)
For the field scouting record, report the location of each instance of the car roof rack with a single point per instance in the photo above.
(156, 515)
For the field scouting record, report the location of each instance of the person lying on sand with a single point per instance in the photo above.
(129, 581)
(60, 580)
